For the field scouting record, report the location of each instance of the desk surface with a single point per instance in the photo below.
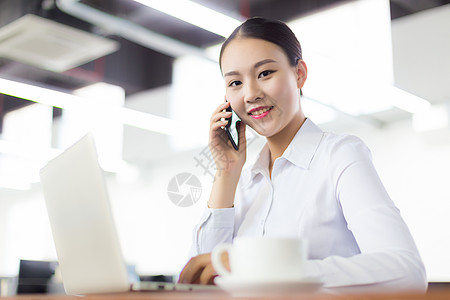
(439, 294)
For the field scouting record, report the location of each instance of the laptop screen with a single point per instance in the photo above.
(84, 233)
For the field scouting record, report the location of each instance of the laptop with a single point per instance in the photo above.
(86, 240)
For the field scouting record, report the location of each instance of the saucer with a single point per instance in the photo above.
(239, 288)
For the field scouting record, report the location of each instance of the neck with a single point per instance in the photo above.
(280, 141)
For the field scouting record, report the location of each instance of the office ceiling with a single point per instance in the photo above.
(136, 67)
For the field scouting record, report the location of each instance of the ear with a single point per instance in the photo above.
(302, 73)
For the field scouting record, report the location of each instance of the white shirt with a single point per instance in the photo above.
(324, 188)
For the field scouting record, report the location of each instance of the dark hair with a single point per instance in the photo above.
(272, 31)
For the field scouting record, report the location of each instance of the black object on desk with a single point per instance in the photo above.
(34, 276)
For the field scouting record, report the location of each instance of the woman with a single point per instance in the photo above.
(305, 183)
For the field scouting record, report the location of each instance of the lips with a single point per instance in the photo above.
(260, 112)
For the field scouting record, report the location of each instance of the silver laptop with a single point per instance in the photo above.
(84, 233)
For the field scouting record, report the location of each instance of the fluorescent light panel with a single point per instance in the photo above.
(68, 101)
(195, 14)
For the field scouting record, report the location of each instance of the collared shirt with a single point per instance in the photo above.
(324, 188)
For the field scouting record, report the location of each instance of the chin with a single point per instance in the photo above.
(262, 128)
(263, 132)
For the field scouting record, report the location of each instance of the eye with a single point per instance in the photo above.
(265, 73)
(235, 83)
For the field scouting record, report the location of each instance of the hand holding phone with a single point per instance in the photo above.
(232, 129)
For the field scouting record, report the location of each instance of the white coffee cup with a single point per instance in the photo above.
(262, 259)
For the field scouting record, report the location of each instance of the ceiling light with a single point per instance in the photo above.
(126, 29)
(195, 14)
(50, 45)
(68, 101)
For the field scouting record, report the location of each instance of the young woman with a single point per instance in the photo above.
(306, 183)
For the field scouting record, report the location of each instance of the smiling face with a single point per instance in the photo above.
(262, 86)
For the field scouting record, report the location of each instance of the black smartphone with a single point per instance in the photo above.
(232, 129)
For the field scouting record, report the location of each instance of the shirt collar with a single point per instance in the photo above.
(300, 151)
(261, 164)
(304, 145)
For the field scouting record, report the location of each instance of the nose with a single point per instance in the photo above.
(252, 91)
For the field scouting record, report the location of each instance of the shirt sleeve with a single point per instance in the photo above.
(218, 225)
(215, 227)
(389, 259)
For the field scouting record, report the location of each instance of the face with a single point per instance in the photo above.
(262, 86)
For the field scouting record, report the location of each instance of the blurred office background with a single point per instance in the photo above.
(144, 80)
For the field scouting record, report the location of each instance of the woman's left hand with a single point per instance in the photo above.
(199, 269)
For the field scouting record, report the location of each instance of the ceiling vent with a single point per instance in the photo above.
(50, 45)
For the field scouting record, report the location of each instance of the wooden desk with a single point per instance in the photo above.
(438, 294)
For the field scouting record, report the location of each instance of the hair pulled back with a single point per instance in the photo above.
(273, 31)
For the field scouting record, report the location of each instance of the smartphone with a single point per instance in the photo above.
(232, 129)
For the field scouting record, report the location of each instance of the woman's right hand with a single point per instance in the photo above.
(226, 158)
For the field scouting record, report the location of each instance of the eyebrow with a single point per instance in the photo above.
(258, 64)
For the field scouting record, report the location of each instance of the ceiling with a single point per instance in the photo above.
(136, 67)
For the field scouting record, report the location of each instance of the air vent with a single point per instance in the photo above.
(50, 45)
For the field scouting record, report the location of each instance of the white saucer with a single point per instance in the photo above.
(239, 288)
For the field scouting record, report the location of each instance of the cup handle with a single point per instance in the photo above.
(216, 258)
